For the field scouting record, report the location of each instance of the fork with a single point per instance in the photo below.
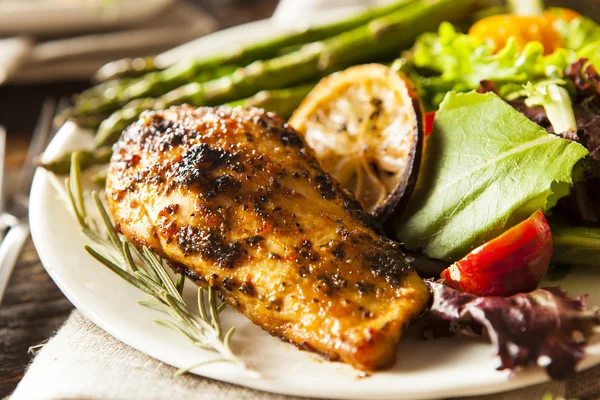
(13, 213)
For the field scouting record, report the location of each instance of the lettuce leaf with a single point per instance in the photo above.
(558, 106)
(459, 57)
(486, 167)
(536, 328)
(449, 60)
(574, 115)
(578, 32)
(581, 35)
(591, 52)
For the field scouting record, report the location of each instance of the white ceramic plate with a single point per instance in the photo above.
(424, 370)
(56, 16)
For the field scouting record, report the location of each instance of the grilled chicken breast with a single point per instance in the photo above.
(236, 199)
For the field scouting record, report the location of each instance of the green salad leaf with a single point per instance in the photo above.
(459, 57)
(577, 33)
(579, 245)
(558, 106)
(591, 52)
(486, 167)
(580, 36)
(449, 60)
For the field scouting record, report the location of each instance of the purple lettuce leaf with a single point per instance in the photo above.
(544, 327)
(585, 78)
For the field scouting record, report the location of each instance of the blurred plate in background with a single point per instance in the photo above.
(45, 17)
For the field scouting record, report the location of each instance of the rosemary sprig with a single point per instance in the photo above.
(202, 328)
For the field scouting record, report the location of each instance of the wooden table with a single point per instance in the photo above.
(33, 307)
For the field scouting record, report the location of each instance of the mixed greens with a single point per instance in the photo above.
(453, 61)
(469, 192)
(516, 129)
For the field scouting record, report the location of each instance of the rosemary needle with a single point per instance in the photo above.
(202, 328)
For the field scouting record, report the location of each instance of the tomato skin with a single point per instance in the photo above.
(429, 117)
(514, 262)
(524, 28)
(565, 14)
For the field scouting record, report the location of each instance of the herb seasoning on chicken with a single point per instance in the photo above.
(234, 198)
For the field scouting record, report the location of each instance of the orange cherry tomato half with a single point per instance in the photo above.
(524, 28)
(565, 14)
(514, 262)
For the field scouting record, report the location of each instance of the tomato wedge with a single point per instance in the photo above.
(513, 262)
(429, 117)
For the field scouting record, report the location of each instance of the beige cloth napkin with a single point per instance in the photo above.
(84, 362)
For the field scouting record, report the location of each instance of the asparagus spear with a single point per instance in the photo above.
(105, 89)
(282, 102)
(108, 90)
(121, 95)
(87, 158)
(110, 129)
(386, 35)
(116, 97)
(91, 121)
(126, 67)
(159, 82)
(383, 36)
(265, 49)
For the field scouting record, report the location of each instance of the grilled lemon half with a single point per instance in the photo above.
(365, 125)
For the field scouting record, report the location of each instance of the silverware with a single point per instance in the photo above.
(13, 213)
